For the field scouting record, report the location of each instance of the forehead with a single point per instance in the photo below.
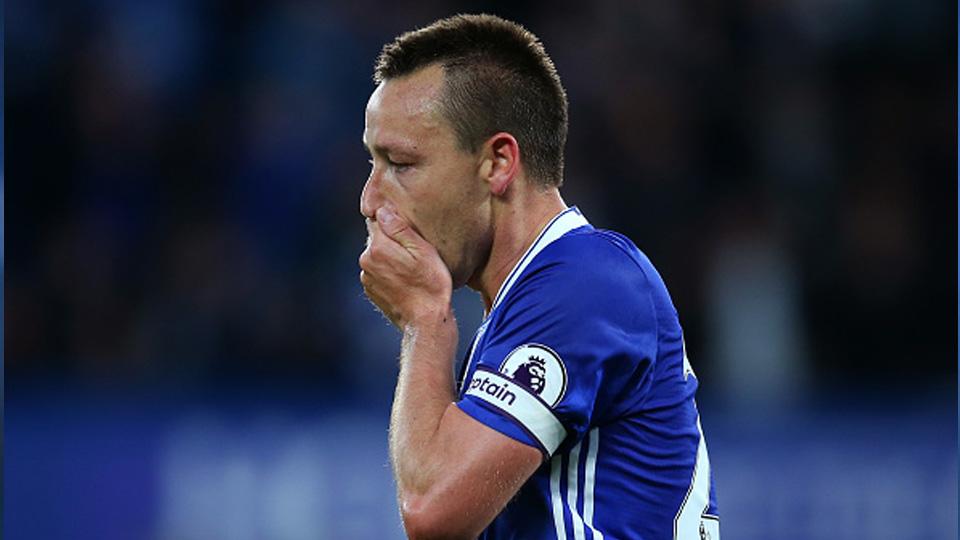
(405, 110)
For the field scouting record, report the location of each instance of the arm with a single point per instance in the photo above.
(454, 474)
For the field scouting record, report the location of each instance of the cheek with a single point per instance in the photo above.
(443, 204)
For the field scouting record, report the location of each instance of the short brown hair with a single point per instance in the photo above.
(498, 77)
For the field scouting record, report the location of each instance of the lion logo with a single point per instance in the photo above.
(532, 374)
(537, 368)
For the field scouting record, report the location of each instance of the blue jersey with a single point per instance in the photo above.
(582, 357)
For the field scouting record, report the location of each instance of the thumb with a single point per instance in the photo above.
(397, 228)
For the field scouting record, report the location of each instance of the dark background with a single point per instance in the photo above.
(182, 311)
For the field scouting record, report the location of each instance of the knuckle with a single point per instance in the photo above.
(366, 280)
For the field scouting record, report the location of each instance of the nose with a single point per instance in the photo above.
(370, 197)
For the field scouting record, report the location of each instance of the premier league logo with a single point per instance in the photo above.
(532, 374)
(539, 369)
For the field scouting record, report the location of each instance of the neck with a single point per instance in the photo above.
(517, 221)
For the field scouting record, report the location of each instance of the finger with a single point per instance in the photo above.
(383, 251)
(364, 260)
(375, 234)
(398, 229)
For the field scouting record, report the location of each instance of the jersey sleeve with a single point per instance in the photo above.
(574, 338)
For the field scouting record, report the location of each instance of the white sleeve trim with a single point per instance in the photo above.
(519, 403)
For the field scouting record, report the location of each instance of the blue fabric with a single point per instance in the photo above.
(597, 301)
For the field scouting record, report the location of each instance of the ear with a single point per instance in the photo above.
(500, 162)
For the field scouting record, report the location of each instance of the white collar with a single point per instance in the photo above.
(561, 224)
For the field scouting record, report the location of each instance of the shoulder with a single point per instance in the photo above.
(611, 246)
(587, 268)
(596, 257)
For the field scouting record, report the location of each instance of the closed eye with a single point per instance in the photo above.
(396, 166)
(399, 167)
(392, 163)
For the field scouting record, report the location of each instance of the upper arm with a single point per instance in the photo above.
(484, 469)
(570, 347)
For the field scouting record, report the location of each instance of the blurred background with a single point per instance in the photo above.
(189, 355)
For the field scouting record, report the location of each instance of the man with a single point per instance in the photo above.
(573, 416)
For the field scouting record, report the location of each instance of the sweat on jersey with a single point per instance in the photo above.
(582, 357)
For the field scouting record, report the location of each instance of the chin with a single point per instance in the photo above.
(462, 275)
(459, 279)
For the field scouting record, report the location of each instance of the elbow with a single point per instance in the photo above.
(425, 521)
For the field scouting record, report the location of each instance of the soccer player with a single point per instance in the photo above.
(574, 414)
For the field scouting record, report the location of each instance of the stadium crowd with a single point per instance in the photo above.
(182, 203)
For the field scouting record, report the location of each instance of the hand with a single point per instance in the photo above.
(402, 274)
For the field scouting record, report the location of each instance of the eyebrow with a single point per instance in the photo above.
(384, 149)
